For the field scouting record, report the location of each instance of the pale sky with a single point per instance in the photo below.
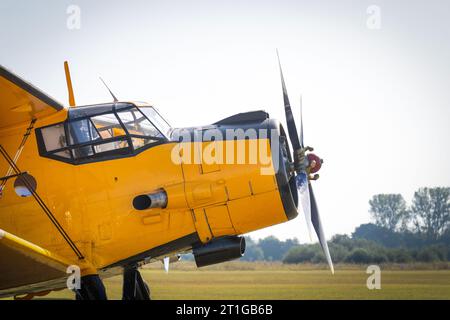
(376, 102)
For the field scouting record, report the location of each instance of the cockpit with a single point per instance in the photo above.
(103, 132)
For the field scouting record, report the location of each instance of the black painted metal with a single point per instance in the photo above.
(12, 176)
(134, 286)
(219, 250)
(292, 129)
(178, 245)
(92, 288)
(245, 117)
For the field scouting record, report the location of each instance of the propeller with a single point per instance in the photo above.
(305, 165)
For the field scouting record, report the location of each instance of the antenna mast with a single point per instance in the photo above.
(110, 92)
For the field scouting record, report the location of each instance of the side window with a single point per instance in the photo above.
(95, 135)
(54, 139)
(82, 131)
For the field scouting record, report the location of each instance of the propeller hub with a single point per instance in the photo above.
(315, 163)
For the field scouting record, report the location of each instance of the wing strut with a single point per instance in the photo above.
(42, 204)
(16, 157)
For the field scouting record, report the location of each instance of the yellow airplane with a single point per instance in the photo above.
(104, 189)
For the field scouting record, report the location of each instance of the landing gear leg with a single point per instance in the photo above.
(134, 287)
(92, 288)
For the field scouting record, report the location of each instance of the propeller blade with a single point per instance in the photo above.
(292, 129)
(301, 181)
(301, 122)
(315, 218)
(166, 264)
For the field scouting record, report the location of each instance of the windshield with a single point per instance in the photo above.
(157, 120)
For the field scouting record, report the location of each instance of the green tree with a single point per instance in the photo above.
(427, 255)
(359, 256)
(399, 255)
(430, 212)
(252, 251)
(389, 211)
(300, 254)
(338, 252)
(271, 248)
(378, 234)
(274, 249)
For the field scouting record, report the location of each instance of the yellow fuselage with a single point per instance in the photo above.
(93, 201)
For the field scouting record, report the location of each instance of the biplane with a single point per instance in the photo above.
(110, 187)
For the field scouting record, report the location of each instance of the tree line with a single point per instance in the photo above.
(400, 233)
(428, 217)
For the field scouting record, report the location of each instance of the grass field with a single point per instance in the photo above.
(241, 280)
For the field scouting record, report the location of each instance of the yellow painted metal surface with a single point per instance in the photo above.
(93, 202)
(69, 84)
(214, 189)
(27, 263)
(33, 251)
(17, 105)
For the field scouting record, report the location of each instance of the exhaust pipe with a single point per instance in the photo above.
(219, 250)
(157, 199)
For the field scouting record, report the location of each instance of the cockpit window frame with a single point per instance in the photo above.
(126, 152)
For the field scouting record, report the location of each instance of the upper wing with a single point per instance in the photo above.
(23, 266)
(20, 101)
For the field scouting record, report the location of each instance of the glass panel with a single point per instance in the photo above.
(137, 124)
(54, 137)
(86, 135)
(82, 131)
(108, 126)
(94, 130)
(141, 142)
(157, 120)
(82, 152)
(110, 146)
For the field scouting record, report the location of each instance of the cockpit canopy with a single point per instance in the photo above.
(102, 132)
